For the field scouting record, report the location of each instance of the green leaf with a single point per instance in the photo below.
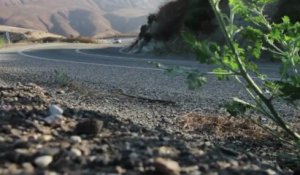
(289, 91)
(222, 74)
(252, 67)
(286, 20)
(189, 38)
(206, 52)
(195, 80)
(237, 107)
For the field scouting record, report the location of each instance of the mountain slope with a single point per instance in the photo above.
(78, 17)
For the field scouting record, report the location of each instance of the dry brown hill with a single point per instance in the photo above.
(78, 17)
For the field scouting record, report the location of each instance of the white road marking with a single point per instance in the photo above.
(108, 56)
(21, 52)
(79, 51)
(79, 62)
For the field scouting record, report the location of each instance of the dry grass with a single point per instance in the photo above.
(223, 127)
(67, 40)
(79, 39)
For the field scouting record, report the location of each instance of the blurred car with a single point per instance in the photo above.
(117, 41)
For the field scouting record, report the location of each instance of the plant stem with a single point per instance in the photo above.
(277, 119)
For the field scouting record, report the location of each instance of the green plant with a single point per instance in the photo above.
(236, 58)
(61, 78)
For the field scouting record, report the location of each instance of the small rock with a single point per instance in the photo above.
(16, 157)
(21, 144)
(134, 157)
(28, 168)
(166, 166)
(55, 110)
(19, 84)
(65, 145)
(43, 161)
(90, 127)
(75, 152)
(120, 170)
(53, 119)
(2, 139)
(13, 168)
(46, 138)
(34, 137)
(92, 158)
(229, 152)
(196, 173)
(60, 92)
(167, 151)
(76, 139)
(49, 151)
(23, 151)
(51, 173)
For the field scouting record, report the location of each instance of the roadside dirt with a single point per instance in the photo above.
(86, 141)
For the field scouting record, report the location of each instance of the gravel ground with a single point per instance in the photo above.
(141, 132)
(133, 82)
(84, 141)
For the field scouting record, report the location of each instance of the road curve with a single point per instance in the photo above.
(106, 67)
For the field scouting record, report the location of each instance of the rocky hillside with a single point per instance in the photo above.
(80, 17)
(163, 28)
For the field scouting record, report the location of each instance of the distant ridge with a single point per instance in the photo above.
(78, 17)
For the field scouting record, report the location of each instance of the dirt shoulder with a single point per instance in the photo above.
(86, 140)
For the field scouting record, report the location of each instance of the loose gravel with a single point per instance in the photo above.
(92, 142)
(136, 129)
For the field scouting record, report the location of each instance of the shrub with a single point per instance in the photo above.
(169, 20)
(236, 60)
(151, 19)
(200, 17)
(79, 39)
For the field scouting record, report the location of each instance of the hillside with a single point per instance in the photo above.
(162, 30)
(78, 17)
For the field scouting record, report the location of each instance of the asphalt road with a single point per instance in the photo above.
(107, 67)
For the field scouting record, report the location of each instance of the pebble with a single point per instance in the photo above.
(13, 169)
(76, 152)
(76, 139)
(90, 127)
(167, 151)
(60, 92)
(53, 119)
(28, 168)
(51, 173)
(56, 110)
(43, 161)
(49, 151)
(166, 166)
(2, 139)
(46, 138)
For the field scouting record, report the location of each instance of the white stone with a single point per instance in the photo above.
(53, 119)
(76, 139)
(46, 138)
(2, 139)
(56, 110)
(167, 166)
(76, 152)
(43, 161)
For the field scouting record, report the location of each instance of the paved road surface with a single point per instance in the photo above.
(105, 67)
